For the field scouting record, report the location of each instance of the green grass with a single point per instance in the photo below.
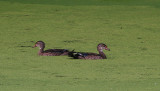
(129, 28)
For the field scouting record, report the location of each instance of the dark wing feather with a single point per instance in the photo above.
(56, 50)
(77, 55)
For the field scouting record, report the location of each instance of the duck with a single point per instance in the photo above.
(49, 52)
(90, 56)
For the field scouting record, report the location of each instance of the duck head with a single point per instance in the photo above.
(102, 47)
(39, 44)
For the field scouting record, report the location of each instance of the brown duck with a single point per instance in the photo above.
(49, 52)
(83, 55)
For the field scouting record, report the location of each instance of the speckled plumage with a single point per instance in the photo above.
(49, 52)
(91, 56)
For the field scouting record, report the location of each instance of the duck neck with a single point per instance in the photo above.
(102, 54)
(41, 50)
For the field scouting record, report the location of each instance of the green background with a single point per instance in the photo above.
(130, 28)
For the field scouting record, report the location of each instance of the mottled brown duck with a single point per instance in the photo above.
(87, 55)
(49, 52)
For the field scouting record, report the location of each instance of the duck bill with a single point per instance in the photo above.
(107, 49)
(34, 46)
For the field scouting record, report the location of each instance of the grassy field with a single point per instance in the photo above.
(131, 29)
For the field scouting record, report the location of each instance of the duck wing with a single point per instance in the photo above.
(56, 50)
(81, 55)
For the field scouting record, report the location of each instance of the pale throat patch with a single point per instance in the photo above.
(101, 50)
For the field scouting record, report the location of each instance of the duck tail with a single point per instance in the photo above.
(71, 53)
(74, 54)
